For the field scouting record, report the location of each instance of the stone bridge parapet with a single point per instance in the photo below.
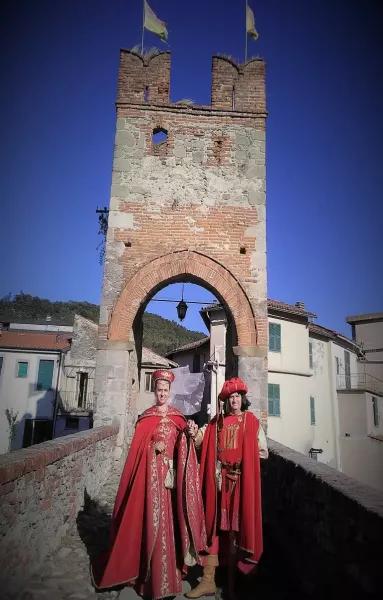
(42, 489)
(326, 527)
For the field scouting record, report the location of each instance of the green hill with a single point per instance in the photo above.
(160, 335)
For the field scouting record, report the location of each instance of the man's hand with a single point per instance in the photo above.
(159, 447)
(192, 428)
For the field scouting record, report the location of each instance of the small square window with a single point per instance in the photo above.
(22, 369)
(149, 382)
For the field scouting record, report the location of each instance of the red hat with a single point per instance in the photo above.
(230, 387)
(163, 374)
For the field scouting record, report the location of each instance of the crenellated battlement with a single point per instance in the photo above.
(144, 79)
(238, 87)
(235, 87)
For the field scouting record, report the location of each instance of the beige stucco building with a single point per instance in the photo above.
(317, 402)
(31, 363)
(47, 376)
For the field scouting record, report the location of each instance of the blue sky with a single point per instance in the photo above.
(324, 177)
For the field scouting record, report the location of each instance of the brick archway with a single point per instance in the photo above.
(183, 264)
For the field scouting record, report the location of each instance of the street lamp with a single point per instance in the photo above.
(182, 309)
(182, 306)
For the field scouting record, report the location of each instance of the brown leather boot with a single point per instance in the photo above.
(207, 586)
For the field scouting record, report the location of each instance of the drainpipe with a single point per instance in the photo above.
(335, 409)
(55, 409)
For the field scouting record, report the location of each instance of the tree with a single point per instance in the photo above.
(13, 425)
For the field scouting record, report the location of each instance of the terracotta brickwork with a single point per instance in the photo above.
(140, 79)
(239, 87)
(199, 268)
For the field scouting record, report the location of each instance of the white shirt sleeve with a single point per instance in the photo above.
(262, 443)
(200, 435)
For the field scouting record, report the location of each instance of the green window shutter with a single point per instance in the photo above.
(311, 354)
(45, 376)
(274, 400)
(22, 369)
(312, 410)
(274, 337)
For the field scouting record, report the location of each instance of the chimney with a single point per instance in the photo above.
(300, 305)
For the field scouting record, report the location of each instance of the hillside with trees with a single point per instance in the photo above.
(160, 335)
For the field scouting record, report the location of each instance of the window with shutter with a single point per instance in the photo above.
(312, 410)
(22, 369)
(274, 400)
(45, 376)
(1, 364)
(274, 337)
(311, 355)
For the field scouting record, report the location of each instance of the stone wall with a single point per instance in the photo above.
(42, 488)
(188, 207)
(327, 527)
(84, 341)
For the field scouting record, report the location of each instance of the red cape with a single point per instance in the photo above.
(250, 540)
(131, 538)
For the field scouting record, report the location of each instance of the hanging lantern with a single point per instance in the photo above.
(182, 309)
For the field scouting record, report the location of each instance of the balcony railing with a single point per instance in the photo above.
(75, 402)
(360, 381)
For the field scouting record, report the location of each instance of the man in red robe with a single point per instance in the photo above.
(232, 445)
(157, 528)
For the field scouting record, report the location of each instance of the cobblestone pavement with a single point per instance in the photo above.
(65, 574)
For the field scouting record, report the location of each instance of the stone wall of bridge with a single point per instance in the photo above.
(324, 526)
(42, 489)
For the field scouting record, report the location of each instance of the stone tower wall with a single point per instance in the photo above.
(200, 190)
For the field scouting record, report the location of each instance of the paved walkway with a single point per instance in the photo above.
(65, 574)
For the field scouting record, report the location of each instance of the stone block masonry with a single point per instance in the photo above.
(42, 488)
(327, 527)
(187, 204)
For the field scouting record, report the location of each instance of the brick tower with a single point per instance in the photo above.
(190, 208)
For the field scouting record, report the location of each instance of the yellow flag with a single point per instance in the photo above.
(152, 23)
(250, 24)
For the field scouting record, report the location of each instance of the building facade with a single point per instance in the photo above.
(317, 403)
(31, 364)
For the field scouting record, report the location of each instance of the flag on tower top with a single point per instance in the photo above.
(153, 23)
(250, 24)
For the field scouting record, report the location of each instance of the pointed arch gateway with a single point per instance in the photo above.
(176, 266)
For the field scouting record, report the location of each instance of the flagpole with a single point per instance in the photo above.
(245, 30)
(143, 27)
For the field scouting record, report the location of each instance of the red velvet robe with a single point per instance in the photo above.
(155, 531)
(245, 514)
